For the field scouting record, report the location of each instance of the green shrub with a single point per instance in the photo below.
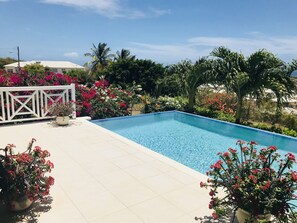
(169, 85)
(165, 103)
(289, 132)
(204, 112)
(290, 121)
(225, 117)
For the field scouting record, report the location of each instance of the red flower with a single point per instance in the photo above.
(241, 142)
(86, 104)
(50, 181)
(291, 157)
(226, 154)
(101, 83)
(211, 192)
(112, 95)
(272, 148)
(123, 105)
(232, 150)
(294, 176)
(218, 165)
(214, 215)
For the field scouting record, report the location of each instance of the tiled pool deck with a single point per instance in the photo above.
(103, 177)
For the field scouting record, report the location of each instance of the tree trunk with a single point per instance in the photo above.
(238, 109)
(191, 98)
(278, 111)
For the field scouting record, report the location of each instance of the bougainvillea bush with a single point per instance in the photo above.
(259, 182)
(24, 79)
(25, 174)
(98, 100)
(219, 102)
(103, 100)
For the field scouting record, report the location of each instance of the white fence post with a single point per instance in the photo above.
(73, 99)
(31, 103)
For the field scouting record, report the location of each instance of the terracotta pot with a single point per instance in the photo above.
(62, 120)
(19, 204)
(243, 215)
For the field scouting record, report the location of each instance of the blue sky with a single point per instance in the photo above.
(165, 31)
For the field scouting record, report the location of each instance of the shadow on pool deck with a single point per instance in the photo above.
(29, 215)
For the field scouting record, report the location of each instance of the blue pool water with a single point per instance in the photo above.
(189, 139)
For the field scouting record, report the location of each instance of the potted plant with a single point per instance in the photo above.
(256, 184)
(62, 111)
(23, 176)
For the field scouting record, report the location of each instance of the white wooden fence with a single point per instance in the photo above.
(32, 103)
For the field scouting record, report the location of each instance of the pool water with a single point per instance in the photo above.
(190, 139)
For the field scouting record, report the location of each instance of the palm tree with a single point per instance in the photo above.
(283, 86)
(124, 54)
(245, 76)
(192, 76)
(100, 56)
(230, 68)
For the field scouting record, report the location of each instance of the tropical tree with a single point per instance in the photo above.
(192, 76)
(142, 72)
(124, 54)
(246, 76)
(100, 56)
(283, 86)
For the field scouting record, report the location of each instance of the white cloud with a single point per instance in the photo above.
(165, 53)
(193, 48)
(71, 55)
(160, 12)
(277, 45)
(4, 0)
(110, 8)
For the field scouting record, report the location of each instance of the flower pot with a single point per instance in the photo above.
(62, 120)
(243, 215)
(19, 204)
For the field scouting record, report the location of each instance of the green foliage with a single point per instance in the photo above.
(290, 121)
(204, 112)
(225, 117)
(100, 56)
(192, 76)
(169, 85)
(124, 54)
(142, 72)
(5, 61)
(251, 75)
(35, 69)
(162, 104)
(289, 132)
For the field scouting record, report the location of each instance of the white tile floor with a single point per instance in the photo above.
(103, 177)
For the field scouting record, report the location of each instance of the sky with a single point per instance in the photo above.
(165, 31)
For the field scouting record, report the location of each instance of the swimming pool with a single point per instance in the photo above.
(190, 139)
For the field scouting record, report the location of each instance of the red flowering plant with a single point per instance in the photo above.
(61, 108)
(259, 182)
(24, 174)
(103, 100)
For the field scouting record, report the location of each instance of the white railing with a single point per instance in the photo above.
(32, 103)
